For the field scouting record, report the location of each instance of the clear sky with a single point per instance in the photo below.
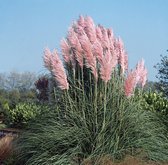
(28, 26)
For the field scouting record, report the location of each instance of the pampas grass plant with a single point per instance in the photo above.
(98, 114)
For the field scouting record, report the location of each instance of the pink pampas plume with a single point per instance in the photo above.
(139, 75)
(110, 33)
(126, 62)
(79, 29)
(111, 41)
(141, 72)
(144, 77)
(114, 60)
(88, 55)
(97, 51)
(81, 21)
(122, 56)
(76, 46)
(130, 83)
(99, 34)
(112, 48)
(67, 53)
(73, 40)
(106, 67)
(90, 29)
(65, 50)
(47, 59)
(59, 72)
(139, 69)
(105, 39)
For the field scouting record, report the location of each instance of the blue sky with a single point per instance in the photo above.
(28, 26)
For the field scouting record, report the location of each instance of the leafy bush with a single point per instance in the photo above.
(22, 113)
(156, 102)
(96, 114)
(10, 98)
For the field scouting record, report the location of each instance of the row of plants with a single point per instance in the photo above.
(94, 110)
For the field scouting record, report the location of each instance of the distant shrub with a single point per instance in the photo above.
(42, 86)
(156, 102)
(22, 113)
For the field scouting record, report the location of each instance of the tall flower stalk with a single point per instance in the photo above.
(55, 66)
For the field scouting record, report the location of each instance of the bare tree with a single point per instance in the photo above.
(17, 81)
(27, 80)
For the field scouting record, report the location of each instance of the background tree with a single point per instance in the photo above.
(20, 81)
(16, 87)
(42, 88)
(162, 76)
(150, 86)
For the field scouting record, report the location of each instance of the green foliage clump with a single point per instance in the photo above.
(22, 113)
(156, 102)
(10, 99)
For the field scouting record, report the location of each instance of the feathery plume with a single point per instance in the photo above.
(75, 46)
(139, 75)
(79, 30)
(144, 77)
(88, 55)
(81, 21)
(109, 62)
(47, 59)
(112, 48)
(141, 72)
(105, 39)
(99, 34)
(106, 67)
(73, 40)
(59, 72)
(125, 62)
(130, 83)
(111, 40)
(97, 51)
(90, 29)
(67, 53)
(122, 56)
(65, 50)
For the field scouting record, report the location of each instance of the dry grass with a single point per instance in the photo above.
(5, 146)
(129, 160)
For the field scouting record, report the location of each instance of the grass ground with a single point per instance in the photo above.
(129, 160)
(6, 148)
